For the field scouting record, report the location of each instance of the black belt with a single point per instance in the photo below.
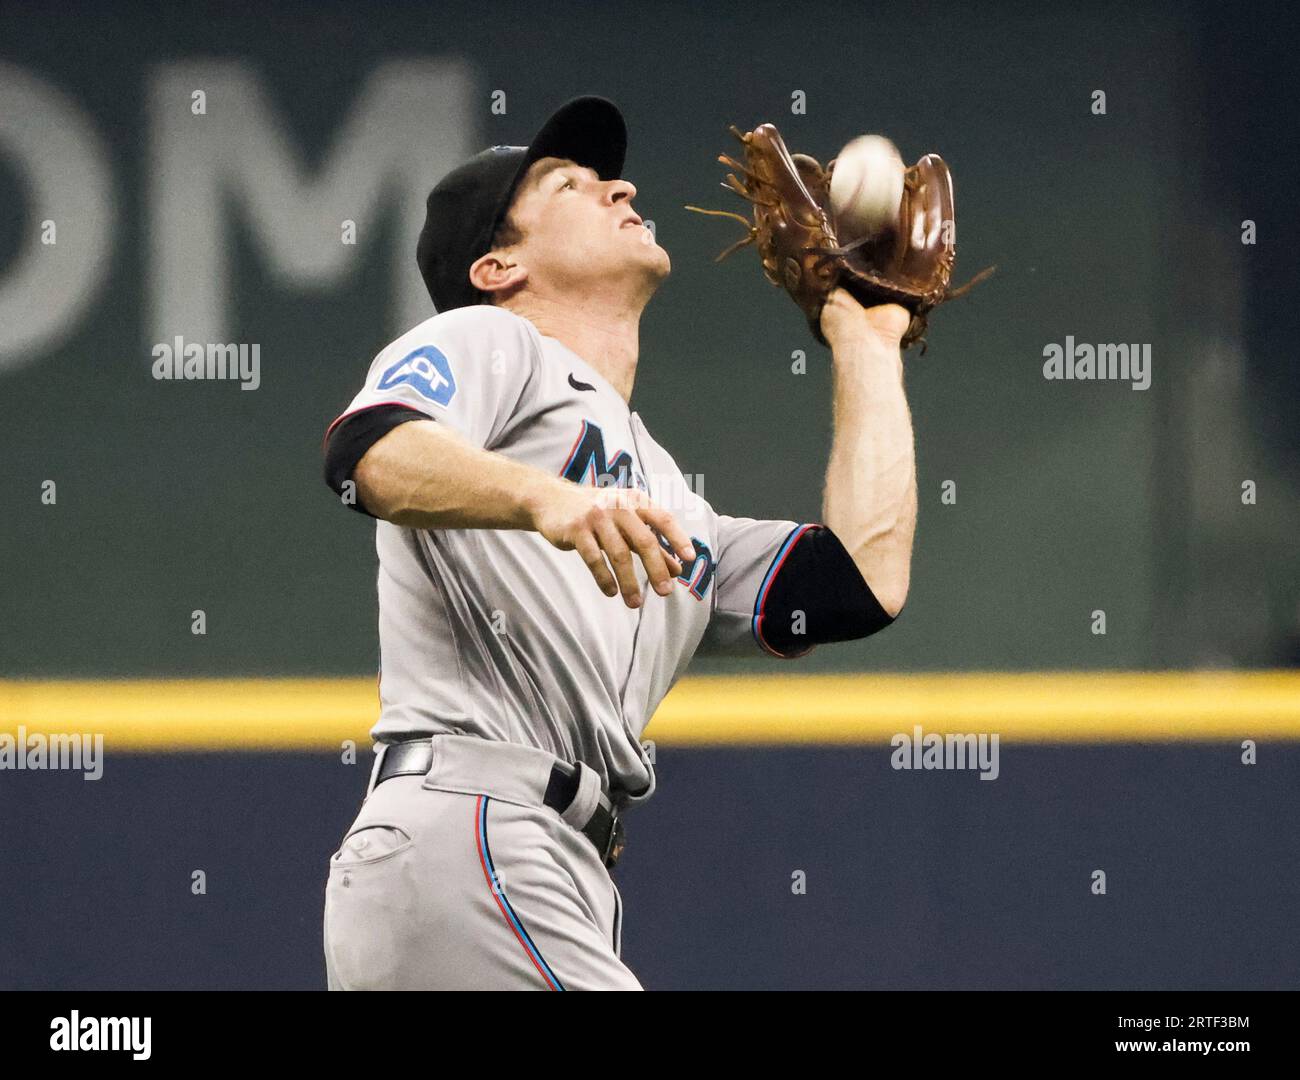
(414, 757)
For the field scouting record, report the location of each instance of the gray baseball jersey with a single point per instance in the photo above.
(498, 634)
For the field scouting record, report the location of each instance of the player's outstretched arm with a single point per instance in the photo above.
(870, 497)
(423, 475)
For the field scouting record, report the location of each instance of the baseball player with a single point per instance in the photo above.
(546, 574)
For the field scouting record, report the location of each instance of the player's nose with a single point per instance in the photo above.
(620, 190)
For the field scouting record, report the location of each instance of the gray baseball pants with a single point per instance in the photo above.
(464, 880)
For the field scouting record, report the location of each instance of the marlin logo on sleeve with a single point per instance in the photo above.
(427, 371)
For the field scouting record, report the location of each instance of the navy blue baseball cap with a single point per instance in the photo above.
(468, 204)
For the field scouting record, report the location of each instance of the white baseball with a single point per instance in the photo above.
(866, 187)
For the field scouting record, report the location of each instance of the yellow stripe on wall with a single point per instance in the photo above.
(1041, 707)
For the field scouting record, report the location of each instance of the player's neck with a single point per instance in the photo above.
(607, 338)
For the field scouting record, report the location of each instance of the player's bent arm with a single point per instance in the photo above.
(424, 475)
(870, 497)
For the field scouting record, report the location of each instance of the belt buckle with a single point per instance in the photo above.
(617, 841)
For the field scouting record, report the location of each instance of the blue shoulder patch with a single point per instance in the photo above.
(427, 370)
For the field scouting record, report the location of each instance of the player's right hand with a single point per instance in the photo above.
(607, 527)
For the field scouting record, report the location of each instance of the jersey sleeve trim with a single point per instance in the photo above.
(353, 435)
(760, 601)
(363, 408)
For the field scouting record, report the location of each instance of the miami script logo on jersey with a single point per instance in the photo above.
(427, 370)
(588, 463)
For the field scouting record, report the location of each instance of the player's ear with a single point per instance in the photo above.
(497, 272)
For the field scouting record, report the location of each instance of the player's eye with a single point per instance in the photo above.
(568, 183)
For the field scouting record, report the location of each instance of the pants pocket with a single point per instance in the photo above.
(371, 899)
(371, 844)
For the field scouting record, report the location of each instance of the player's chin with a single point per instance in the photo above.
(646, 263)
(655, 259)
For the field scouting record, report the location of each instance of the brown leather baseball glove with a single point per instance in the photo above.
(794, 229)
